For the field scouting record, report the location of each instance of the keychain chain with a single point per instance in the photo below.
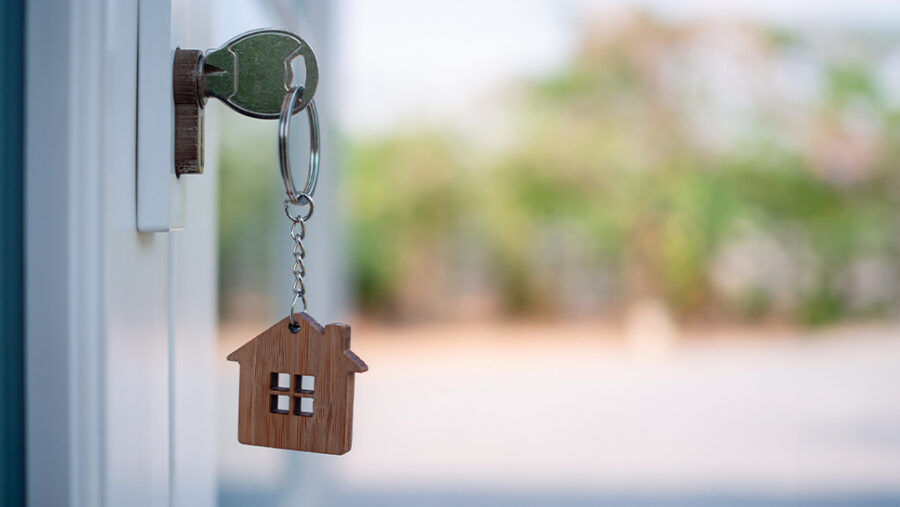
(301, 198)
(299, 253)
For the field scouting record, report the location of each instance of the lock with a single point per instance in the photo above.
(190, 97)
(251, 73)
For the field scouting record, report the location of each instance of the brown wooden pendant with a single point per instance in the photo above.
(296, 389)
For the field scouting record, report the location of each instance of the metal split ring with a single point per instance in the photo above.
(305, 199)
(284, 127)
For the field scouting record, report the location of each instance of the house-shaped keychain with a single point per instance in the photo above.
(296, 388)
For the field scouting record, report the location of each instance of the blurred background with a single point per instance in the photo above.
(594, 252)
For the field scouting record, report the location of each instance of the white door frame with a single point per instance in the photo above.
(119, 325)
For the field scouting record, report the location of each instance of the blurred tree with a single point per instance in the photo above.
(249, 198)
(685, 162)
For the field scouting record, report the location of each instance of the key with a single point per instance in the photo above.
(252, 72)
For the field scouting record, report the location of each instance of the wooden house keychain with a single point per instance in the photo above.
(296, 378)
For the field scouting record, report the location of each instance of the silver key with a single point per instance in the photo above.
(252, 72)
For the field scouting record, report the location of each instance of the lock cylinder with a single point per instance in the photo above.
(189, 96)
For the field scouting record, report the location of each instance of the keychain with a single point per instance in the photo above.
(296, 378)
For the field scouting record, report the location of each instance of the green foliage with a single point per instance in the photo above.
(606, 152)
(406, 193)
(248, 199)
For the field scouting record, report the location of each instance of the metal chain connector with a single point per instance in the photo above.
(298, 233)
(302, 198)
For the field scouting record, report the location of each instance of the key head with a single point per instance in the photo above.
(252, 72)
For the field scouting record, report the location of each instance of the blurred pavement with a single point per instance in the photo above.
(516, 414)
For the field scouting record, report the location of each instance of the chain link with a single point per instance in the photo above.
(298, 233)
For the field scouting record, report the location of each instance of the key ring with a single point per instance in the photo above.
(300, 217)
(284, 127)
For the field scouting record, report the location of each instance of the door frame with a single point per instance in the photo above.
(120, 325)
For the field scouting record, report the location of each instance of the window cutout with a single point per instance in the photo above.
(279, 404)
(305, 383)
(303, 406)
(280, 382)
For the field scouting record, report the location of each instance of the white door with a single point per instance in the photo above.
(120, 324)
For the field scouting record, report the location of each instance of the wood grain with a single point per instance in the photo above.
(323, 353)
(189, 101)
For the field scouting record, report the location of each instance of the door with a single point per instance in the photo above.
(120, 324)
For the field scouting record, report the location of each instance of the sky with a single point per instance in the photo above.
(413, 60)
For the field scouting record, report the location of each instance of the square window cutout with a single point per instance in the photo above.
(303, 406)
(280, 382)
(279, 404)
(305, 383)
